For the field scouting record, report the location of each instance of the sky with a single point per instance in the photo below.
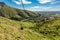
(35, 5)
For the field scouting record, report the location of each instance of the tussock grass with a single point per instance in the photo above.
(10, 30)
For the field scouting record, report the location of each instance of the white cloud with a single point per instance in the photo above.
(44, 8)
(24, 2)
(17, 2)
(38, 8)
(35, 7)
(55, 2)
(45, 1)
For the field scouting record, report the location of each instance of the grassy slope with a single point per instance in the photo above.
(10, 12)
(50, 29)
(10, 30)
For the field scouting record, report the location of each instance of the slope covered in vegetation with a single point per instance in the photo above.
(49, 28)
(10, 30)
(46, 30)
(16, 14)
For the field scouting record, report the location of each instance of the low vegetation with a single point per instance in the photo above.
(11, 30)
(32, 27)
(49, 28)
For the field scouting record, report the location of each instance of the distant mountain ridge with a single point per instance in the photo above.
(48, 12)
(2, 3)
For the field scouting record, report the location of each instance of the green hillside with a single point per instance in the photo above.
(16, 14)
(49, 28)
(10, 30)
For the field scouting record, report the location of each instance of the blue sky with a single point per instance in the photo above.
(35, 5)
